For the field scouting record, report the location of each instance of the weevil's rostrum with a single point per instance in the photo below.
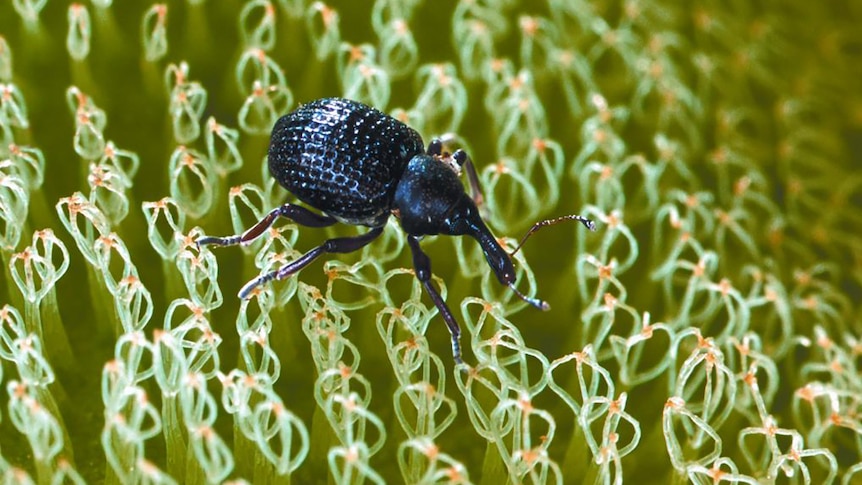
(358, 166)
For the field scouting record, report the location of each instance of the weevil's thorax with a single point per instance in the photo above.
(428, 196)
(430, 199)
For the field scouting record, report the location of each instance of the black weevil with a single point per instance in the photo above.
(358, 166)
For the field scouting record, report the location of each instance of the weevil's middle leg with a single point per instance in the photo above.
(422, 265)
(337, 245)
(296, 213)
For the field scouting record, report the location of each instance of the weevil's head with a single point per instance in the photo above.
(430, 199)
(426, 194)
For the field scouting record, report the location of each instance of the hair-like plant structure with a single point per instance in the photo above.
(708, 331)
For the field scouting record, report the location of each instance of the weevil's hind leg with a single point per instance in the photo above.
(296, 213)
(337, 245)
(422, 265)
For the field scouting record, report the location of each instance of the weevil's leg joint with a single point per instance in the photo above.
(460, 157)
(435, 148)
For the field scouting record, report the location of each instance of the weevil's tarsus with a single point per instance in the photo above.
(540, 304)
(218, 241)
(550, 222)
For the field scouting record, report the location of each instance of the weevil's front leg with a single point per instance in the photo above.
(435, 148)
(296, 213)
(422, 265)
(463, 159)
(337, 245)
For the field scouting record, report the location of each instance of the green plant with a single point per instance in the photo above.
(708, 332)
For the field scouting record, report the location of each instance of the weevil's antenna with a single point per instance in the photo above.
(540, 304)
(550, 222)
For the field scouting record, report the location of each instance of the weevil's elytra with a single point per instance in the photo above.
(343, 158)
(358, 166)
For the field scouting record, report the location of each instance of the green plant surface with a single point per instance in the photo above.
(707, 332)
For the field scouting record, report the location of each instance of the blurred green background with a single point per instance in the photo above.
(724, 134)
